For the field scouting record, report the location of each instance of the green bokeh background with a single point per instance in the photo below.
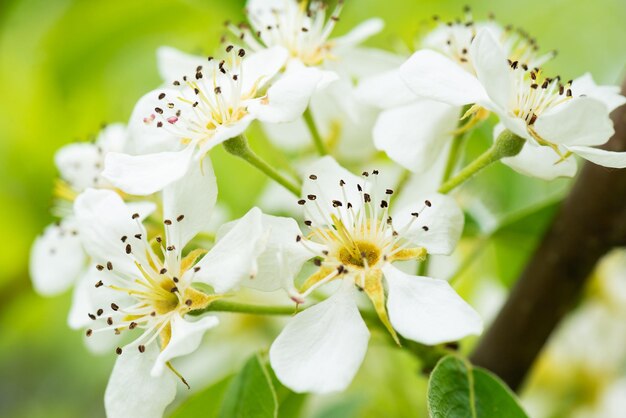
(68, 66)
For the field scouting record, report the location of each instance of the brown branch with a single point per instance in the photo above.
(591, 221)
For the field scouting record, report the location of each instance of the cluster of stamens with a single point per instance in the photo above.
(516, 42)
(159, 292)
(356, 240)
(535, 94)
(212, 96)
(301, 27)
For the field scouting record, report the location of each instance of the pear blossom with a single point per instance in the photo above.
(57, 259)
(354, 242)
(175, 127)
(327, 66)
(413, 127)
(555, 118)
(151, 286)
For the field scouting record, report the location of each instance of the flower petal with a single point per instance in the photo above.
(432, 75)
(320, 350)
(79, 165)
(609, 95)
(258, 68)
(144, 136)
(324, 187)
(601, 157)
(538, 161)
(146, 174)
(173, 63)
(233, 258)
(579, 121)
(189, 203)
(102, 219)
(414, 135)
(282, 257)
(57, 258)
(437, 228)
(112, 137)
(186, 338)
(133, 392)
(385, 90)
(288, 98)
(428, 310)
(492, 70)
(360, 33)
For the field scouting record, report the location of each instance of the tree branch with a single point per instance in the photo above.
(591, 221)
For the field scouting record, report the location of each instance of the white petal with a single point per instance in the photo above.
(357, 63)
(259, 68)
(492, 69)
(385, 90)
(326, 188)
(133, 392)
(538, 161)
(173, 64)
(360, 33)
(432, 75)
(79, 165)
(146, 174)
(541, 162)
(113, 137)
(193, 197)
(320, 350)
(609, 95)
(57, 259)
(414, 135)
(144, 137)
(579, 121)
(443, 219)
(601, 157)
(428, 310)
(144, 209)
(225, 132)
(282, 258)
(186, 338)
(288, 98)
(233, 258)
(102, 219)
(263, 11)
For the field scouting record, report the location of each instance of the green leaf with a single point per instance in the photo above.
(251, 393)
(459, 390)
(205, 403)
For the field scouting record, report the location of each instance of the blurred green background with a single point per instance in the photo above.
(68, 66)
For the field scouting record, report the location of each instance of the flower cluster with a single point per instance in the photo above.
(152, 269)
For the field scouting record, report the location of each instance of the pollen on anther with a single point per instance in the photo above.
(180, 218)
(109, 266)
(167, 222)
(100, 267)
(89, 332)
(163, 271)
(141, 348)
(427, 203)
(135, 215)
(128, 249)
(114, 307)
(118, 351)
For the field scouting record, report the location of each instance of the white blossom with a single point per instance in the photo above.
(354, 240)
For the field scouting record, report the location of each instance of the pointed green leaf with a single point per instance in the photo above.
(459, 390)
(204, 403)
(251, 393)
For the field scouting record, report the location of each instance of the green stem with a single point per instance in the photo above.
(315, 134)
(453, 156)
(246, 308)
(239, 147)
(507, 145)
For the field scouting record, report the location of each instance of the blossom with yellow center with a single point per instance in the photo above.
(354, 238)
(557, 119)
(144, 289)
